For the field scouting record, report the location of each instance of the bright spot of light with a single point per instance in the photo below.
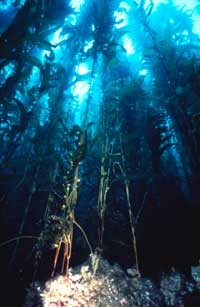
(125, 6)
(34, 77)
(71, 19)
(196, 24)
(44, 113)
(120, 19)
(128, 45)
(6, 5)
(155, 2)
(185, 33)
(120, 15)
(76, 5)
(80, 89)
(187, 4)
(8, 70)
(56, 39)
(88, 45)
(143, 72)
(82, 69)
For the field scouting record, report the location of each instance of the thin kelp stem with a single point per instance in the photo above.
(56, 258)
(16, 239)
(85, 236)
(105, 170)
(122, 167)
(21, 228)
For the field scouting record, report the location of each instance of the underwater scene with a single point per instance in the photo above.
(100, 153)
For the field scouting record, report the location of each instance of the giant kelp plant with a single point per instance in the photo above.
(99, 134)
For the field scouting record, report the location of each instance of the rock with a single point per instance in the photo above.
(131, 272)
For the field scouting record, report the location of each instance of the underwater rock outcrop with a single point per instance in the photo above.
(97, 283)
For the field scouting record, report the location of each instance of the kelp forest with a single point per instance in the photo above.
(100, 153)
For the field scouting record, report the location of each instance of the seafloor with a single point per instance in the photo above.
(97, 283)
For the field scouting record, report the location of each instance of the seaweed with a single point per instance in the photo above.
(99, 117)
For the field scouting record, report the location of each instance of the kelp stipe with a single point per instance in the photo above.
(58, 229)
